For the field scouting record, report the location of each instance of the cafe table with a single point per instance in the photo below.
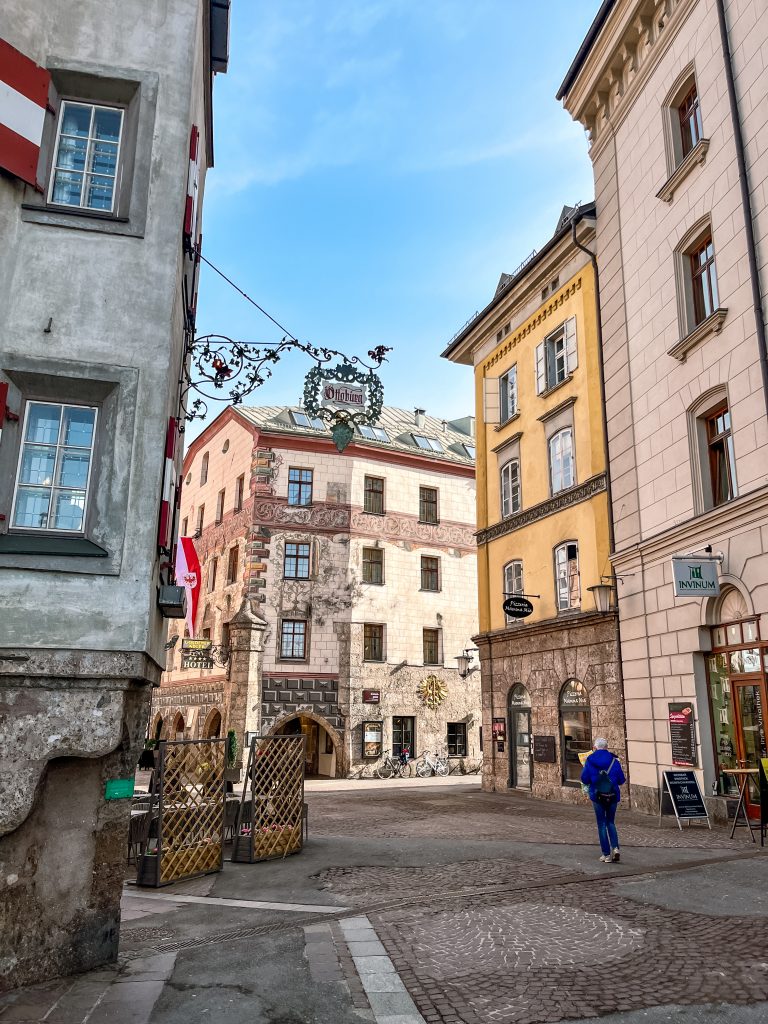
(741, 775)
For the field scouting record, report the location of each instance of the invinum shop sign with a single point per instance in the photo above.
(695, 577)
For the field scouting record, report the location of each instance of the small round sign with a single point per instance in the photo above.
(517, 607)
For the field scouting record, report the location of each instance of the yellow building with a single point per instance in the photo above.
(551, 679)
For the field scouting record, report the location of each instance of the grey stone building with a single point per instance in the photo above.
(105, 137)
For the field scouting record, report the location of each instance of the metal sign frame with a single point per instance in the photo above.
(665, 784)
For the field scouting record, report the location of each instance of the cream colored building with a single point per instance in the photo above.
(338, 588)
(674, 98)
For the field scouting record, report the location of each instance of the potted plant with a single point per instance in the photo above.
(231, 769)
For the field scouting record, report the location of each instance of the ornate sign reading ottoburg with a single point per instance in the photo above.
(694, 577)
(196, 654)
(517, 607)
(343, 397)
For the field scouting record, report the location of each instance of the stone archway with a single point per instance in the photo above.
(179, 727)
(320, 760)
(157, 727)
(212, 725)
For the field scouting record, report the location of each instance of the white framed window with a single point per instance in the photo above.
(561, 468)
(55, 464)
(510, 488)
(508, 394)
(567, 584)
(513, 582)
(556, 357)
(86, 156)
(293, 639)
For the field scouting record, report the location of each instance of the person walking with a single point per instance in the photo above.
(601, 777)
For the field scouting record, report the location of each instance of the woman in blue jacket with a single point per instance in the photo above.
(602, 775)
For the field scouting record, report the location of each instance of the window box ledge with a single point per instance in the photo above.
(24, 544)
(548, 391)
(697, 156)
(712, 325)
(510, 419)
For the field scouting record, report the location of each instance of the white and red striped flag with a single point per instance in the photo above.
(23, 101)
(188, 576)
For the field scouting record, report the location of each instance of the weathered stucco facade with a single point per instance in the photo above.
(96, 301)
(681, 244)
(552, 679)
(261, 686)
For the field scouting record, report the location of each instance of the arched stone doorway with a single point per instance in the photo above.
(212, 726)
(157, 728)
(322, 750)
(178, 727)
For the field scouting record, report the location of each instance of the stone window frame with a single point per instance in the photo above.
(239, 492)
(439, 653)
(698, 442)
(212, 573)
(136, 93)
(284, 620)
(691, 331)
(674, 149)
(460, 739)
(113, 390)
(377, 562)
(429, 504)
(368, 639)
(233, 564)
(374, 492)
(221, 497)
(436, 572)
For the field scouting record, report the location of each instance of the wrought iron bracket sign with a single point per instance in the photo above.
(218, 368)
(517, 607)
(343, 397)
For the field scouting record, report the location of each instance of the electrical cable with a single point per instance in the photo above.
(245, 295)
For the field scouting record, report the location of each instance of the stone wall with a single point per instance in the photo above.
(543, 657)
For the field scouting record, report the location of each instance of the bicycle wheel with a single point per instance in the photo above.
(384, 771)
(442, 769)
(423, 769)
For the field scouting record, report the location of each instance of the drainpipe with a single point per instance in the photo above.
(608, 489)
(746, 202)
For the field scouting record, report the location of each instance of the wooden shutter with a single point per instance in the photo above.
(571, 353)
(541, 373)
(491, 410)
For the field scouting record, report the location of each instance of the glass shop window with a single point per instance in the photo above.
(575, 729)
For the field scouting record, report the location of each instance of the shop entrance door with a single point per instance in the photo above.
(750, 735)
(519, 717)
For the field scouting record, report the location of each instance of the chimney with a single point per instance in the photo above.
(418, 415)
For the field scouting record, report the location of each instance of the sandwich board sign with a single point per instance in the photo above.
(681, 789)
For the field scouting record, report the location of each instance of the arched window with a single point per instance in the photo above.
(561, 472)
(212, 729)
(178, 727)
(575, 730)
(204, 470)
(158, 726)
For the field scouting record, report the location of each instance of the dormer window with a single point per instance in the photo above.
(428, 444)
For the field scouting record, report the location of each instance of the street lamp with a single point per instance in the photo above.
(463, 661)
(602, 593)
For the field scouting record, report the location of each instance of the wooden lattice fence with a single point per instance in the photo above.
(270, 819)
(187, 808)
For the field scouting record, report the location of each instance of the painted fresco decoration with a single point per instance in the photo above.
(217, 368)
(343, 397)
(432, 691)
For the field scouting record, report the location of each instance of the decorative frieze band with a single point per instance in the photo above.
(574, 495)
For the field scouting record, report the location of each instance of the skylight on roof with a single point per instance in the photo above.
(373, 433)
(428, 444)
(301, 419)
(469, 449)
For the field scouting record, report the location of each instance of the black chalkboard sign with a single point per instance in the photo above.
(544, 749)
(682, 734)
(682, 790)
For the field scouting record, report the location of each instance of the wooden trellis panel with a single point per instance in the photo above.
(190, 812)
(270, 820)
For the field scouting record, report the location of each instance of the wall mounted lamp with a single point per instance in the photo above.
(464, 660)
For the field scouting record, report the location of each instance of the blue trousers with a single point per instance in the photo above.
(606, 830)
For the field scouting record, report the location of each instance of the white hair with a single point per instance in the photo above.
(601, 743)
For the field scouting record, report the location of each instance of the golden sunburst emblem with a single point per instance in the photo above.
(432, 691)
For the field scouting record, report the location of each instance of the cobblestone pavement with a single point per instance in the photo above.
(444, 906)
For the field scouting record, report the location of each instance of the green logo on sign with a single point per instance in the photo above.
(695, 572)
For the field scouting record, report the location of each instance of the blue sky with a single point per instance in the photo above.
(378, 164)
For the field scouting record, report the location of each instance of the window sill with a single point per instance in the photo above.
(429, 522)
(25, 544)
(373, 583)
(429, 590)
(510, 419)
(697, 156)
(293, 661)
(80, 220)
(369, 513)
(712, 325)
(550, 390)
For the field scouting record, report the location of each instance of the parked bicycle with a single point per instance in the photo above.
(432, 764)
(396, 766)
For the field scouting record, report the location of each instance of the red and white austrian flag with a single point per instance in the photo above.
(188, 576)
(23, 102)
